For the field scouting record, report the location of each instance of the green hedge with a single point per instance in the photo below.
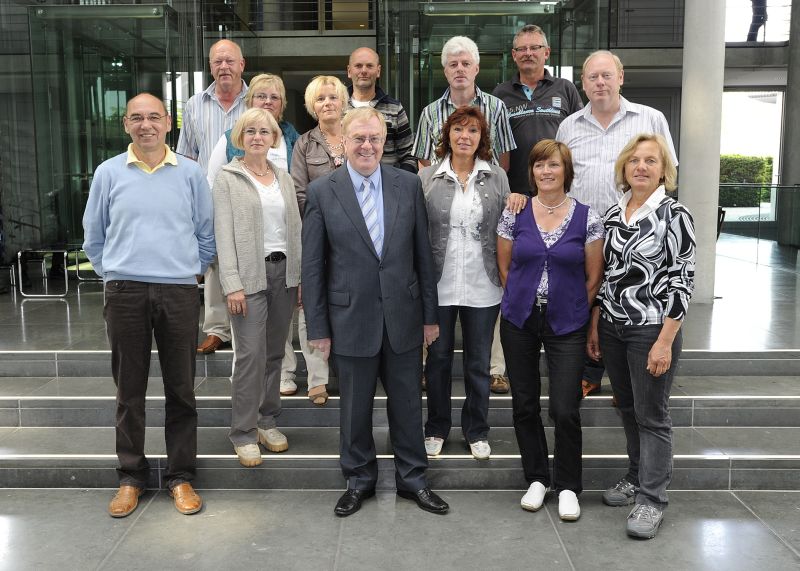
(735, 169)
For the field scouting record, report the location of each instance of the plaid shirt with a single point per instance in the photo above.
(434, 116)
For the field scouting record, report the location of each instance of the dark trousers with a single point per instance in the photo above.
(643, 402)
(565, 359)
(400, 374)
(134, 312)
(477, 327)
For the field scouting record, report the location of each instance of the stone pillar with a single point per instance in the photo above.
(788, 203)
(790, 158)
(701, 117)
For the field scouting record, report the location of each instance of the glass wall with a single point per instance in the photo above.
(411, 35)
(86, 62)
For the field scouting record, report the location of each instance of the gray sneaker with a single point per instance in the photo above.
(622, 494)
(644, 521)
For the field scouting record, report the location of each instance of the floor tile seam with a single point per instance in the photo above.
(558, 537)
(338, 555)
(136, 518)
(772, 530)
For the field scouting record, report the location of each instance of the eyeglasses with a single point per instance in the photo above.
(252, 131)
(152, 117)
(262, 97)
(375, 141)
(524, 49)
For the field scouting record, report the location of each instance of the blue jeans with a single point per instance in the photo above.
(477, 328)
(643, 402)
(565, 358)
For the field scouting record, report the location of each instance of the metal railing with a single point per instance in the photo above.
(283, 16)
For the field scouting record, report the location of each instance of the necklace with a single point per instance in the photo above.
(255, 172)
(551, 209)
(336, 149)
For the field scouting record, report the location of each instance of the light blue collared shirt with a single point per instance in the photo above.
(376, 189)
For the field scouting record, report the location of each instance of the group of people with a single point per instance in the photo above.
(533, 221)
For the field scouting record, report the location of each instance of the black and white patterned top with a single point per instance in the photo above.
(649, 272)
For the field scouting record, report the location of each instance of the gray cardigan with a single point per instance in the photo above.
(492, 187)
(239, 230)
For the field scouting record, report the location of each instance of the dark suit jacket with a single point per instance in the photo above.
(349, 294)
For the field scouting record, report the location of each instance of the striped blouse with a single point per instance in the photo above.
(649, 272)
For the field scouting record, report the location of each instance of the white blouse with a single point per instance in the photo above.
(273, 211)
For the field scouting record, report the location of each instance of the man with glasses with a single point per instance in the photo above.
(596, 135)
(537, 102)
(364, 70)
(149, 231)
(206, 117)
(369, 293)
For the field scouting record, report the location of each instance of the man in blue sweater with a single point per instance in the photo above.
(149, 232)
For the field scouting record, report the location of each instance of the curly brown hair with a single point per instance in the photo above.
(463, 116)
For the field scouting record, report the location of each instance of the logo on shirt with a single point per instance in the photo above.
(556, 102)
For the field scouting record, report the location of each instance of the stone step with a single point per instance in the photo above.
(695, 401)
(97, 363)
(720, 458)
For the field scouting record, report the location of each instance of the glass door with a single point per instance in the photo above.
(86, 62)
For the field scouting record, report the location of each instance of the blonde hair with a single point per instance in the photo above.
(251, 117)
(315, 87)
(617, 61)
(266, 80)
(363, 114)
(670, 177)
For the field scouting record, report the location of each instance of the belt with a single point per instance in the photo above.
(275, 257)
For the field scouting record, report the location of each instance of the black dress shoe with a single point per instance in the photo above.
(350, 502)
(427, 500)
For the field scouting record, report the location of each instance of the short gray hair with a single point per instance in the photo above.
(457, 45)
(531, 29)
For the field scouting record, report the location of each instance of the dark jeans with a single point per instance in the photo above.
(477, 328)
(643, 402)
(565, 359)
(134, 312)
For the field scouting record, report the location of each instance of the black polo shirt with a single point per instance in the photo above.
(535, 118)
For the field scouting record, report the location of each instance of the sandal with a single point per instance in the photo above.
(589, 388)
(319, 398)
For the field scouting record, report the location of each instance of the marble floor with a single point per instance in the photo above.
(68, 529)
(757, 288)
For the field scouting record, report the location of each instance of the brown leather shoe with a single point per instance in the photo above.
(210, 344)
(125, 501)
(186, 499)
(499, 385)
(589, 388)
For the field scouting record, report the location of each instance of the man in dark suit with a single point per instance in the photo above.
(369, 295)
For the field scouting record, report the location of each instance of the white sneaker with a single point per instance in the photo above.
(288, 387)
(568, 507)
(534, 498)
(249, 455)
(273, 440)
(480, 449)
(433, 445)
